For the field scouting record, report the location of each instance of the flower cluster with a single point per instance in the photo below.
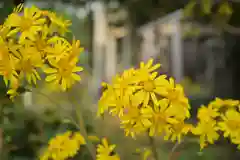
(67, 145)
(219, 116)
(147, 102)
(106, 151)
(63, 146)
(31, 43)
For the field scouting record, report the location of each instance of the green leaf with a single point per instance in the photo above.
(206, 6)
(146, 154)
(8, 139)
(93, 138)
(188, 10)
(225, 9)
(66, 121)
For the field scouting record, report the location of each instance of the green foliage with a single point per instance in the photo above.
(26, 132)
(218, 17)
(6, 10)
(225, 8)
(211, 153)
(188, 10)
(206, 6)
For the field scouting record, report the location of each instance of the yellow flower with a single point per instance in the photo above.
(58, 24)
(28, 43)
(4, 31)
(149, 84)
(175, 93)
(30, 52)
(10, 77)
(161, 118)
(27, 24)
(113, 102)
(179, 102)
(208, 132)
(63, 74)
(117, 107)
(117, 95)
(177, 130)
(207, 113)
(136, 117)
(58, 49)
(145, 101)
(40, 41)
(219, 103)
(7, 65)
(124, 85)
(106, 151)
(63, 146)
(148, 87)
(230, 123)
(4, 50)
(108, 97)
(148, 66)
(132, 130)
(75, 51)
(27, 65)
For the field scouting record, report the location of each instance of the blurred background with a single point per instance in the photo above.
(196, 41)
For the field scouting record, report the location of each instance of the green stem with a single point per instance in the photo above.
(153, 147)
(83, 130)
(177, 144)
(81, 125)
(1, 142)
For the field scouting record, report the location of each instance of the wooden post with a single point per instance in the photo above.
(148, 48)
(111, 57)
(99, 41)
(126, 49)
(176, 53)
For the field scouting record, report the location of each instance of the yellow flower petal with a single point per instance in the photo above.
(50, 70)
(51, 78)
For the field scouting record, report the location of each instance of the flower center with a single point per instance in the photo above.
(40, 44)
(160, 118)
(173, 94)
(27, 66)
(64, 72)
(148, 86)
(26, 24)
(232, 124)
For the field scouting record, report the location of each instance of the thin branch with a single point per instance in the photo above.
(231, 29)
(154, 147)
(177, 144)
(81, 125)
(83, 130)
